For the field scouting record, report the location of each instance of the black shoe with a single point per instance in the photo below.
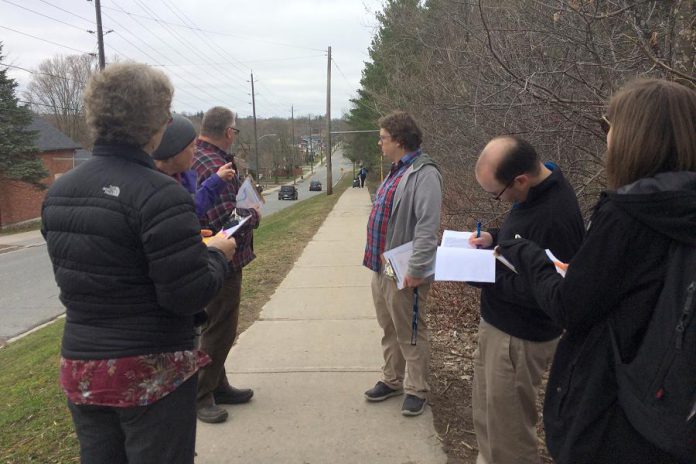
(381, 391)
(413, 406)
(231, 395)
(212, 414)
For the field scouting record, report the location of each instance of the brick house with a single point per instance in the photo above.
(20, 202)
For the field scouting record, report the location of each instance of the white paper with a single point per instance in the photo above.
(247, 195)
(453, 238)
(229, 232)
(464, 265)
(398, 258)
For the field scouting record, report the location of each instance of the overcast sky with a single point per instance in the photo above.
(209, 47)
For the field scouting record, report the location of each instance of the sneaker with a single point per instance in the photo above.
(413, 406)
(381, 391)
(212, 414)
(231, 395)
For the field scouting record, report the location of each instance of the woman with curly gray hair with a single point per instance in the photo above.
(132, 270)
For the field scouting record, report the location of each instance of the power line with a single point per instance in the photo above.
(296, 58)
(184, 19)
(175, 92)
(66, 11)
(178, 52)
(239, 36)
(44, 40)
(38, 72)
(186, 43)
(339, 70)
(46, 16)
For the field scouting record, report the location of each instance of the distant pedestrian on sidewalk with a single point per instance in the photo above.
(174, 157)
(132, 271)
(218, 131)
(362, 175)
(406, 208)
(516, 339)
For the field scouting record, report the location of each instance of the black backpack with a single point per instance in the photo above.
(657, 389)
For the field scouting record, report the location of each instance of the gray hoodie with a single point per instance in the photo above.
(416, 214)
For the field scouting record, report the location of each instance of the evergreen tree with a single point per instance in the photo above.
(18, 158)
(391, 55)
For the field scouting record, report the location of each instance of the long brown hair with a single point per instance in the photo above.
(653, 130)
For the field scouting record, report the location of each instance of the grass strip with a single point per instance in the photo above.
(34, 419)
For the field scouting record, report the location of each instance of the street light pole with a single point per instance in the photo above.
(292, 166)
(256, 140)
(100, 35)
(329, 174)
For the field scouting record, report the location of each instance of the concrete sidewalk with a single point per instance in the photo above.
(22, 240)
(309, 358)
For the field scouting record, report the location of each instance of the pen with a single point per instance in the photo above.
(478, 231)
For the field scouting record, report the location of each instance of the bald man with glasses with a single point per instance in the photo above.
(516, 339)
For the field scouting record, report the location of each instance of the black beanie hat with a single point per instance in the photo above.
(179, 134)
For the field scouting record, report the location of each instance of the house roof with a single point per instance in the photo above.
(49, 137)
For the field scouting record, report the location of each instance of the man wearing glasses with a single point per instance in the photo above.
(218, 132)
(516, 340)
(406, 209)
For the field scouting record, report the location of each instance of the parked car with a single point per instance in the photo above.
(287, 192)
(315, 186)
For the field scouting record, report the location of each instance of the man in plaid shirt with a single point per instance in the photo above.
(406, 209)
(212, 151)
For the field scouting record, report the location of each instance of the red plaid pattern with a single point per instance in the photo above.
(206, 162)
(381, 212)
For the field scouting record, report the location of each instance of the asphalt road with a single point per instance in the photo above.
(28, 292)
(338, 162)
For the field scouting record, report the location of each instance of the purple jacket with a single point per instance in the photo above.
(206, 195)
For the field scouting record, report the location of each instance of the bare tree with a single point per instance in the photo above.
(542, 69)
(56, 90)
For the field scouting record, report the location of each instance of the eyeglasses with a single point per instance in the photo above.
(234, 129)
(507, 186)
(605, 124)
(384, 137)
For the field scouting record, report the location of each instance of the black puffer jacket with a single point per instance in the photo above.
(127, 255)
(614, 280)
(550, 216)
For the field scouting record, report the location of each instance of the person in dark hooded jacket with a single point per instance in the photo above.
(614, 280)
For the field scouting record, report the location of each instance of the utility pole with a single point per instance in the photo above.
(329, 175)
(294, 145)
(311, 151)
(100, 35)
(256, 140)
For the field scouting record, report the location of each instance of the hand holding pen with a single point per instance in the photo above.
(480, 239)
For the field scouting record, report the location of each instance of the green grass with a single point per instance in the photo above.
(23, 228)
(35, 423)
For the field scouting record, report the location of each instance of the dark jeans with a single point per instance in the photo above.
(164, 431)
(218, 337)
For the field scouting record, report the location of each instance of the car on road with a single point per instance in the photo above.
(287, 192)
(315, 186)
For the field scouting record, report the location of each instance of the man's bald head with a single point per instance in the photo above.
(506, 157)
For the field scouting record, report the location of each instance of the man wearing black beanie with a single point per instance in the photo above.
(174, 157)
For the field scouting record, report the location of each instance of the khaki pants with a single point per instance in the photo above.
(405, 365)
(507, 375)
